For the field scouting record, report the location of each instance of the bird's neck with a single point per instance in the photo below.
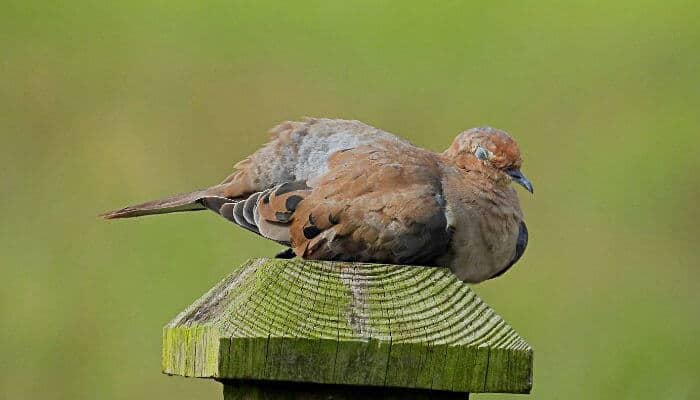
(472, 181)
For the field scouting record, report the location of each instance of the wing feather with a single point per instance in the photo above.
(268, 189)
(300, 151)
(374, 205)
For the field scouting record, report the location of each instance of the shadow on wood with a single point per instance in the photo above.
(266, 390)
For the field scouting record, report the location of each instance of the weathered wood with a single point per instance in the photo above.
(347, 324)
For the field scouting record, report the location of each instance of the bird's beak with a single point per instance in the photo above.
(518, 177)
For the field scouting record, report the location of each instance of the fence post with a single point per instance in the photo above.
(296, 329)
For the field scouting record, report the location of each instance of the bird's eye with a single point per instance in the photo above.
(481, 153)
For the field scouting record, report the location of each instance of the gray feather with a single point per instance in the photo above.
(238, 213)
(226, 211)
(250, 207)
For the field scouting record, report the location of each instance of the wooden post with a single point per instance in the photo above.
(295, 329)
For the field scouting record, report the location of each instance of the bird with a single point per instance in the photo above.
(342, 190)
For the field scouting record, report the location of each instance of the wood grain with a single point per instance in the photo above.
(348, 324)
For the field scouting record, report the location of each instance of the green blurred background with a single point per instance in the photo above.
(106, 105)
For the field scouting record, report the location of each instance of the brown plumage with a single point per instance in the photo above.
(343, 190)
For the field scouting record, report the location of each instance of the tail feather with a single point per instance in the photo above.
(176, 203)
(269, 213)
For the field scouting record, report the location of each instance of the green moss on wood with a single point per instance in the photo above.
(347, 323)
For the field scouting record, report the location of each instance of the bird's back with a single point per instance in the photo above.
(299, 151)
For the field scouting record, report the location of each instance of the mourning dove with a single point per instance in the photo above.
(342, 190)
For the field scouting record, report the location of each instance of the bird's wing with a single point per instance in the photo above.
(374, 205)
(299, 152)
(266, 188)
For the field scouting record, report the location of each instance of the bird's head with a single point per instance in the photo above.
(491, 151)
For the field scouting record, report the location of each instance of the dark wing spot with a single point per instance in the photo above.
(283, 217)
(292, 202)
(332, 219)
(311, 232)
(266, 198)
(290, 187)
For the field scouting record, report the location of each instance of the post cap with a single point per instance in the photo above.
(348, 324)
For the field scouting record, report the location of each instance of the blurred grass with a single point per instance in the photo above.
(104, 105)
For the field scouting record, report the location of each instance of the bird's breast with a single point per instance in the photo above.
(485, 233)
